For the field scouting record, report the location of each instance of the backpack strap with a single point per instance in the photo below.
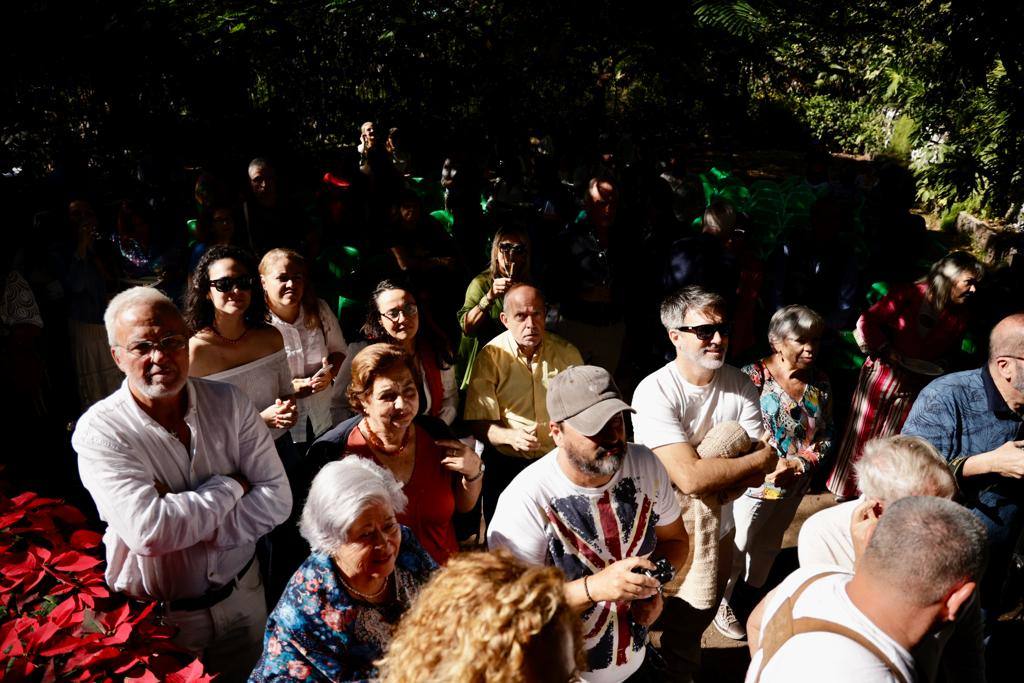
(782, 626)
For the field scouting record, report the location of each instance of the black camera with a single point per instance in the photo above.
(663, 570)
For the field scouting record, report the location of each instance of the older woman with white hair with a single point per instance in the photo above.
(796, 410)
(341, 607)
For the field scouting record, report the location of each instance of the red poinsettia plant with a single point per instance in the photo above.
(58, 620)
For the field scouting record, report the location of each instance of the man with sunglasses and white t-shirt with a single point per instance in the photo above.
(185, 474)
(676, 406)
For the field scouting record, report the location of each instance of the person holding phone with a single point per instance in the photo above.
(480, 315)
(313, 340)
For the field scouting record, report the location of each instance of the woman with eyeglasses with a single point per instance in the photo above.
(313, 340)
(479, 317)
(232, 340)
(393, 317)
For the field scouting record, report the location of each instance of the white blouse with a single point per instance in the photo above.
(264, 380)
(306, 348)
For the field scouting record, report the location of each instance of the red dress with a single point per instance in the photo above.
(429, 490)
(885, 393)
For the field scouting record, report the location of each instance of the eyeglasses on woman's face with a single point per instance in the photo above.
(512, 248)
(395, 314)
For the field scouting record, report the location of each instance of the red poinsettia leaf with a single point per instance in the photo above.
(115, 617)
(10, 518)
(10, 645)
(73, 561)
(64, 614)
(119, 636)
(145, 612)
(96, 590)
(49, 673)
(20, 564)
(129, 664)
(70, 515)
(41, 635)
(20, 670)
(70, 644)
(42, 554)
(146, 677)
(84, 539)
(193, 673)
(24, 499)
(88, 657)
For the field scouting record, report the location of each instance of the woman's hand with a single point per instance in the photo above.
(787, 471)
(499, 287)
(459, 457)
(322, 378)
(281, 415)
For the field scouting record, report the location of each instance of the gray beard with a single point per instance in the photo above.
(604, 467)
(703, 361)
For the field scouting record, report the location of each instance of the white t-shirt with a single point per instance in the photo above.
(545, 519)
(820, 656)
(825, 537)
(958, 648)
(671, 410)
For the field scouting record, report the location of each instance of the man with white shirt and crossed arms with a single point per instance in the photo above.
(185, 474)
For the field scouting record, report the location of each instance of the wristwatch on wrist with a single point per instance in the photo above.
(470, 480)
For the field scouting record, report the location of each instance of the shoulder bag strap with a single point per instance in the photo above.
(782, 626)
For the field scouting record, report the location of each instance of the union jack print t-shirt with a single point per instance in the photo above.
(545, 519)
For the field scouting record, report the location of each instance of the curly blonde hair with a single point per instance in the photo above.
(477, 620)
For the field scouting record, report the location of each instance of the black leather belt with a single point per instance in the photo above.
(211, 597)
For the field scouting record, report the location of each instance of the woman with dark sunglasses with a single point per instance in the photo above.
(232, 340)
(479, 316)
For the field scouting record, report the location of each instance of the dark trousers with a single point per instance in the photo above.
(501, 470)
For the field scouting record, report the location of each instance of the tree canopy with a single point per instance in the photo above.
(938, 84)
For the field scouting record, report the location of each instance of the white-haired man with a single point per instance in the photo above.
(185, 474)
(676, 407)
(892, 468)
(919, 567)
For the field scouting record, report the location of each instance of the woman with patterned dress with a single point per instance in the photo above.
(341, 607)
(904, 334)
(796, 408)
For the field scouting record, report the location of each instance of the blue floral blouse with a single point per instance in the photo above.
(796, 428)
(318, 632)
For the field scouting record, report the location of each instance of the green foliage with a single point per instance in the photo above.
(935, 82)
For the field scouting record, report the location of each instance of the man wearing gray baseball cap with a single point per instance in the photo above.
(603, 511)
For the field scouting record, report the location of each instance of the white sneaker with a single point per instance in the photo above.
(727, 623)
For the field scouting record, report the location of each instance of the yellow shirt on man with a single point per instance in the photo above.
(508, 388)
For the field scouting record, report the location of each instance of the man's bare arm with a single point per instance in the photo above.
(694, 475)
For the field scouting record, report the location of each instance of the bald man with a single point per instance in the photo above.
(973, 418)
(505, 402)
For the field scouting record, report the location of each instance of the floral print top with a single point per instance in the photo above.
(318, 632)
(796, 428)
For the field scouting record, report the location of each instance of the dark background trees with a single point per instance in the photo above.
(938, 84)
